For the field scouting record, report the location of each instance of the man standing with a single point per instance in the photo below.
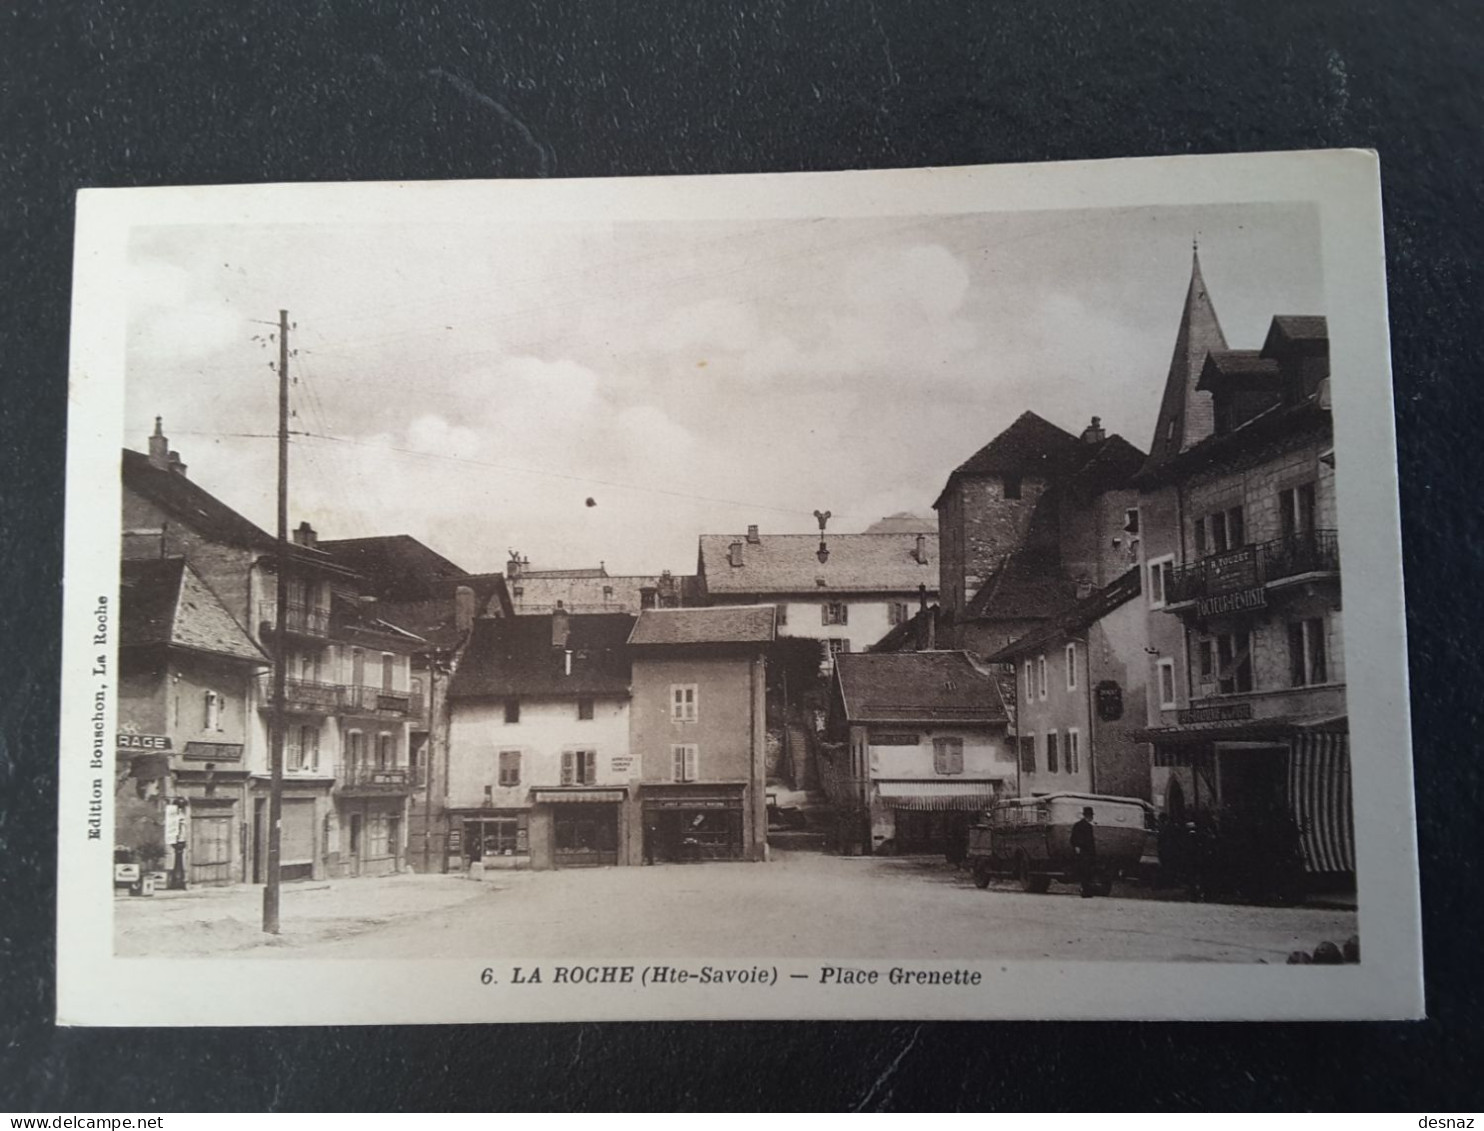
(1085, 854)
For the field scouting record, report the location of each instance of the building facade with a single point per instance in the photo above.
(846, 590)
(920, 748)
(698, 731)
(541, 773)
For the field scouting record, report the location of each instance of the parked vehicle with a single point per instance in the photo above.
(1030, 839)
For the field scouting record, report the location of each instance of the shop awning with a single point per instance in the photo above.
(970, 796)
(1239, 730)
(570, 796)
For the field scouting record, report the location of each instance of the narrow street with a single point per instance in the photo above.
(800, 905)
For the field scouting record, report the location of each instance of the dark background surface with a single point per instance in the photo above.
(105, 93)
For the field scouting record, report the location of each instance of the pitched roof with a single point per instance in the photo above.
(164, 601)
(435, 617)
(590, 571)
(1186, 415)
(515, 656)
(1298, 328)
(1243, 367)
(787, 563)
(193, 504)
(719, 624)
(917, 687)
(1083, 613)
(1105, 466)
(1031, 445)
(398, 566)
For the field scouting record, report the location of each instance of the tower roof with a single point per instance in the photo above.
(1031, 445)
(1186, 416)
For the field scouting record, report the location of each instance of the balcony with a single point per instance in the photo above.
(369, 779)
(1236, 579)
(362, 700)
(305, 697)
(299, 619)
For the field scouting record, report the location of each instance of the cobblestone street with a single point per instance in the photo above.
(800, 905)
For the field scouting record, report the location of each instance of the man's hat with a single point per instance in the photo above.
(1087, 810)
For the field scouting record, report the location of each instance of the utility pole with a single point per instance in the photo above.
(280, 652)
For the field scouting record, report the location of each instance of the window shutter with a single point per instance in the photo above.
(844, 611)
(691, 753)
(589, 767)
(677, 763)
(824, 613)
(568, 773)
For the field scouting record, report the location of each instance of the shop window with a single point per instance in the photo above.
(1234, 663)
(1074, 750)
(948, 755)
(1053, 759)
(1306, 652)
(683, 762)
(834, 612)
(1167, 698)
(579, 767)
(1161, 570)
(512, 710)
(495, 836)
(683, 705)
(584, 708)
(1071, 667)
(509, 767)
(1028, 753)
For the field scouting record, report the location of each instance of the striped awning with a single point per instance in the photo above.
(566, 796)
(970, 796)
(1319, 796)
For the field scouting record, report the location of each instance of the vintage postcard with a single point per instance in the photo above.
(938, 593)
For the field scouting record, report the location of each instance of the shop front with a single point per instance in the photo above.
(372, 835)
(496, 838)
(694, 824)
(927, 817)
(579, 828)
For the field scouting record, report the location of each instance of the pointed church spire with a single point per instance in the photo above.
(1185, 412)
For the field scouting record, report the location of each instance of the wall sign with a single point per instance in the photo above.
(1235, 602)
(1217, 713)
(1109, 697)
(143, 742)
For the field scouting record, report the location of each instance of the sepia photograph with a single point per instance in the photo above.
(893, 594)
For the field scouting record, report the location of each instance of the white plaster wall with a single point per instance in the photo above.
(986, 755)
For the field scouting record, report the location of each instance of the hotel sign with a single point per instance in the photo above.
(1239, 601)
(1231, 571)
(1216, 713)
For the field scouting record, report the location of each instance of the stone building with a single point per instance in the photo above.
(537, 592)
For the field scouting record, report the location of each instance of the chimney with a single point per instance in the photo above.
(177, 465)
(920, 554)
(561, 627)
(1093, 433)
(304, 534)
(159, 447)
(512, 567)
(920, 633)
(752, 535)
(734, 553)
(463, 609)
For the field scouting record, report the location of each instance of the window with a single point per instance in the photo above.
(1167, 684)
(896, 612)
(834, 612)
(1296, 510)
(1074, 750)
(1041, 676)
(357, 666)
(496, 836)
(1234, 663)
(1306, 653)
(584, 708)
(683, 759)
(1206, 659)
(1028, 753)
(213, 719)
(782, 618)
(509, 771)
(378, 835)
(1221, 531)
(683, 702)
(355, 834)
(1071, 667)
(303, 751)
(386, 750)
(517, 593)
(512, 710)
(1012, 486)
(355, 747)
(1161, 572)
(388, 671)
(1030, 682)
(579, 767)
(1131, 520)
(948, 755)
(1052, 759)
(607, 593)
(837, 645)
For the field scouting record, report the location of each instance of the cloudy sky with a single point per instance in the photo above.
(474, 385)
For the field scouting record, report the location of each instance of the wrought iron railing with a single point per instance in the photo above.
(301, 619)
(369, 774)
(375, 701)
(1259, 563)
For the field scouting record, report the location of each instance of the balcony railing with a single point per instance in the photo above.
(375, 701)
(1254, 565)
(309, 696)
(368, 775)
(300, 619)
